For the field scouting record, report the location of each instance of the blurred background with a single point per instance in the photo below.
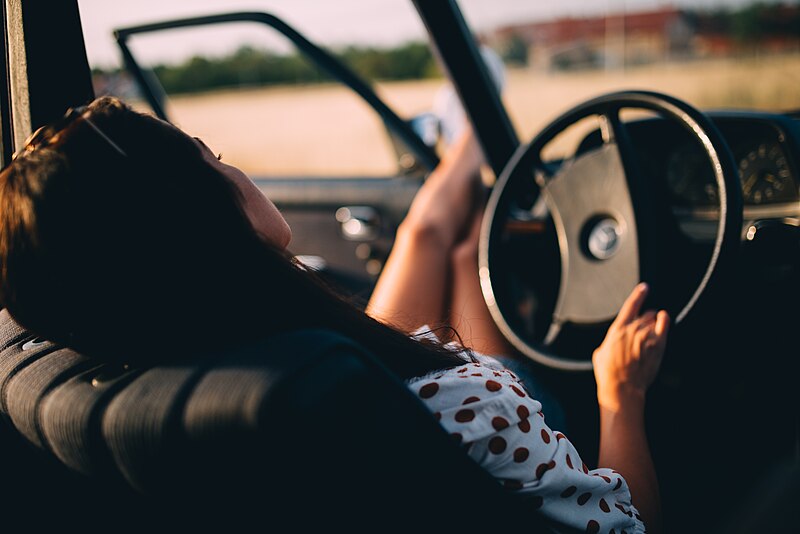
(252, 97)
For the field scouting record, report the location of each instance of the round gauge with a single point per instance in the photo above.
(765, 174)
(690, 177)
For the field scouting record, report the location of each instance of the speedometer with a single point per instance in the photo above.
(690, 177)
(766, 177)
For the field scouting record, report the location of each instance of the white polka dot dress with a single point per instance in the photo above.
(487, 410)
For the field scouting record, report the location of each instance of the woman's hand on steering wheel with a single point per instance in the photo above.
(627, 361)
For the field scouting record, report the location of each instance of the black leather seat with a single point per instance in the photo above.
(304, 428)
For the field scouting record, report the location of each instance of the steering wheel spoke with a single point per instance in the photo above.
(640, 189)
(594, 219)
(614, 131)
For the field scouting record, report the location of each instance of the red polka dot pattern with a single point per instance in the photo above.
(542, 468)
(428, 390)
(497, 445)
(490, 415)
(499, 423)
(569, 492)
(604, 506)
(465, 416)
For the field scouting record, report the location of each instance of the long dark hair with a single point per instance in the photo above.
(119, 240)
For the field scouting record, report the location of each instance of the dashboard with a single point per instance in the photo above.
(765, 147)
(762, 157)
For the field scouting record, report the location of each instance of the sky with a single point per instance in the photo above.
(327, 22)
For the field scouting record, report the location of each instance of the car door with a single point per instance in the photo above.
(343, 202)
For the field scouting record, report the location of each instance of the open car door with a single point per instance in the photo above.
(350, 189)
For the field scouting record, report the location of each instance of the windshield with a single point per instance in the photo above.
(714, 54)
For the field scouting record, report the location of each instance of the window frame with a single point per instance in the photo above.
(405, 140)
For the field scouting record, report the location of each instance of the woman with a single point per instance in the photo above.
(118, 232)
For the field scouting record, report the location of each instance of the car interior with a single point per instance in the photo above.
(704, 205)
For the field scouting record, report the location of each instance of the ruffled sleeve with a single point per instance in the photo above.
(488, 411)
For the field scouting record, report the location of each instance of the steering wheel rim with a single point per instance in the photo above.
(527, 158)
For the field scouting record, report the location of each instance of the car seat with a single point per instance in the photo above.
(303, 429)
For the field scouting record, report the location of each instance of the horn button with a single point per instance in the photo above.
(602, 238)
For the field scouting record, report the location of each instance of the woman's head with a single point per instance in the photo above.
(121, 217)
(260, 211)
(125, 238)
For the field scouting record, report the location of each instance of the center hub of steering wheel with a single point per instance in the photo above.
(603, 238)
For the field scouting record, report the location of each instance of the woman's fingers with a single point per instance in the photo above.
(662, 324)
(632, 305)
(646, 319)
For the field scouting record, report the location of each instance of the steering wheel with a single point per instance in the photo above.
(607, 215)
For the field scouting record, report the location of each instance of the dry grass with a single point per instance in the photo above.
(326, 130)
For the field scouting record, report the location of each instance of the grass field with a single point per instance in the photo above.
(326, 130)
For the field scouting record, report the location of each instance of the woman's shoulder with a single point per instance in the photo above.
(474, 400)
(488, 411)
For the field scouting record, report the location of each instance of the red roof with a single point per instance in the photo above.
(566, 30)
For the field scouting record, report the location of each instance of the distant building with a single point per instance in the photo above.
(649, 36)
(617, 40)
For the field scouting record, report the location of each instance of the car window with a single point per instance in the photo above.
(255, 99)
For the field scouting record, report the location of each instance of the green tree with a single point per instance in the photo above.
(746, 23)
(251, 67)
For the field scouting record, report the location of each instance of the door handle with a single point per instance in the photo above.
(359, 223)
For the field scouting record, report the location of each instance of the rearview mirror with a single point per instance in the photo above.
(426, 126)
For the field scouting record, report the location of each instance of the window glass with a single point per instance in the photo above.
(251, 96)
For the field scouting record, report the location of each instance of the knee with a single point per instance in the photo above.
(423, 234)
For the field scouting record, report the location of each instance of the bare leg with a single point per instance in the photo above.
(414, 286)
(468, 312)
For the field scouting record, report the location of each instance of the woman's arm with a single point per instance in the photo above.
(625, 366)
(414, 285)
